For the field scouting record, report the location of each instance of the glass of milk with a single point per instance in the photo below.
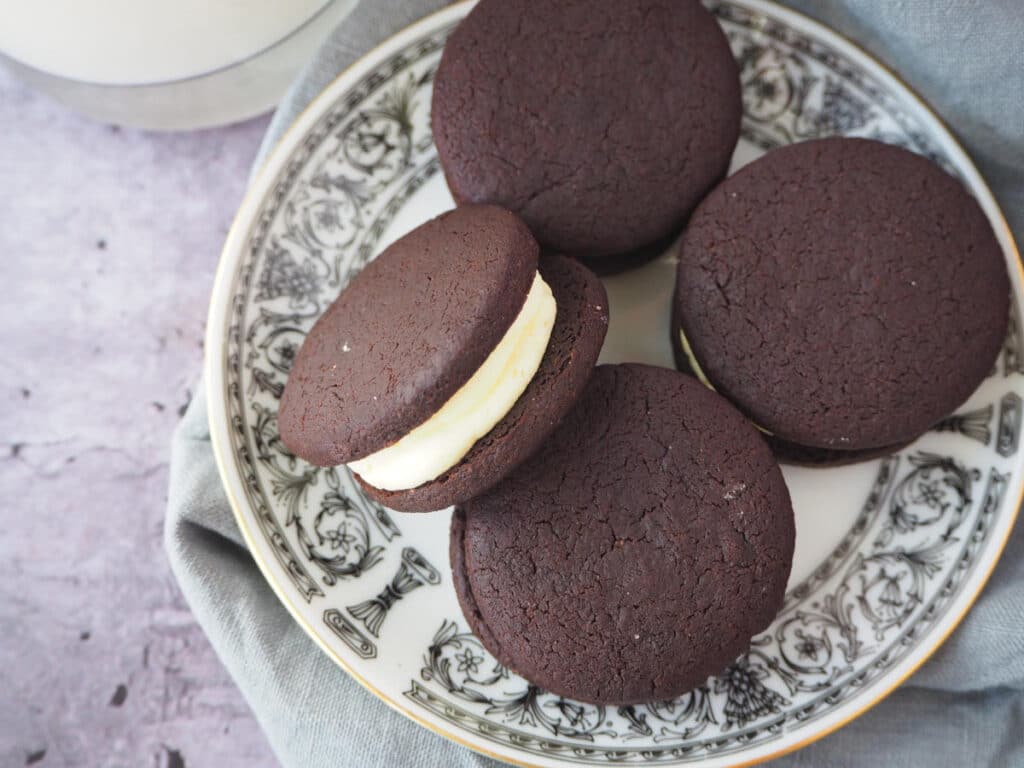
(165, 64)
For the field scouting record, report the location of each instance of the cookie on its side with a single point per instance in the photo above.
(843, 293)
(445, 361)
(576, 338)
(601, 123)
(637, 552)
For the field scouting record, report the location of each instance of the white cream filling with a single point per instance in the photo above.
(692, 359)
(699, 372)
(439, 443)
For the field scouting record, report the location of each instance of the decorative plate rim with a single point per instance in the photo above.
(219, 316)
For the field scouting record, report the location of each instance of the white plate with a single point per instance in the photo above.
(890, 553)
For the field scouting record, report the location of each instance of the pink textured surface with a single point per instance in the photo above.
(109, 240)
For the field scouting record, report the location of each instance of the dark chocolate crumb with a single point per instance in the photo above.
(16, 449)
(174, 758)
(26, 393)
(35, 757)
(160, 407)
(84, 635)
(120, 694)
(184, 406)
(101, 244)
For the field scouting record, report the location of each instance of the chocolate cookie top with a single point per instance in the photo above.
(406, 334)
(601, 123)
(580, 326)
(786, 452)
(843, 293)
(637, 552)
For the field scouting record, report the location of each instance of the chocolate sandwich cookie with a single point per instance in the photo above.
(845, 294)
(446, 361)
(576, 338)
(601, 123)
(637, 552)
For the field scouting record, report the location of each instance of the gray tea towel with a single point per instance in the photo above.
(965, 707)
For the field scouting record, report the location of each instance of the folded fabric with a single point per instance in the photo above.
(964, 707)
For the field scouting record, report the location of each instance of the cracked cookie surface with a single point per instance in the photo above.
(637, 552)
(785, 452)
(406, 333)
(845, 294)
(601, 123)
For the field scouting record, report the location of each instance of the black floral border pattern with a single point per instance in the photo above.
(935, 500)
(847, 113)
(247, 444)
(849, 543)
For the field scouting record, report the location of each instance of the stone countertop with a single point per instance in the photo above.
(109, 240)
